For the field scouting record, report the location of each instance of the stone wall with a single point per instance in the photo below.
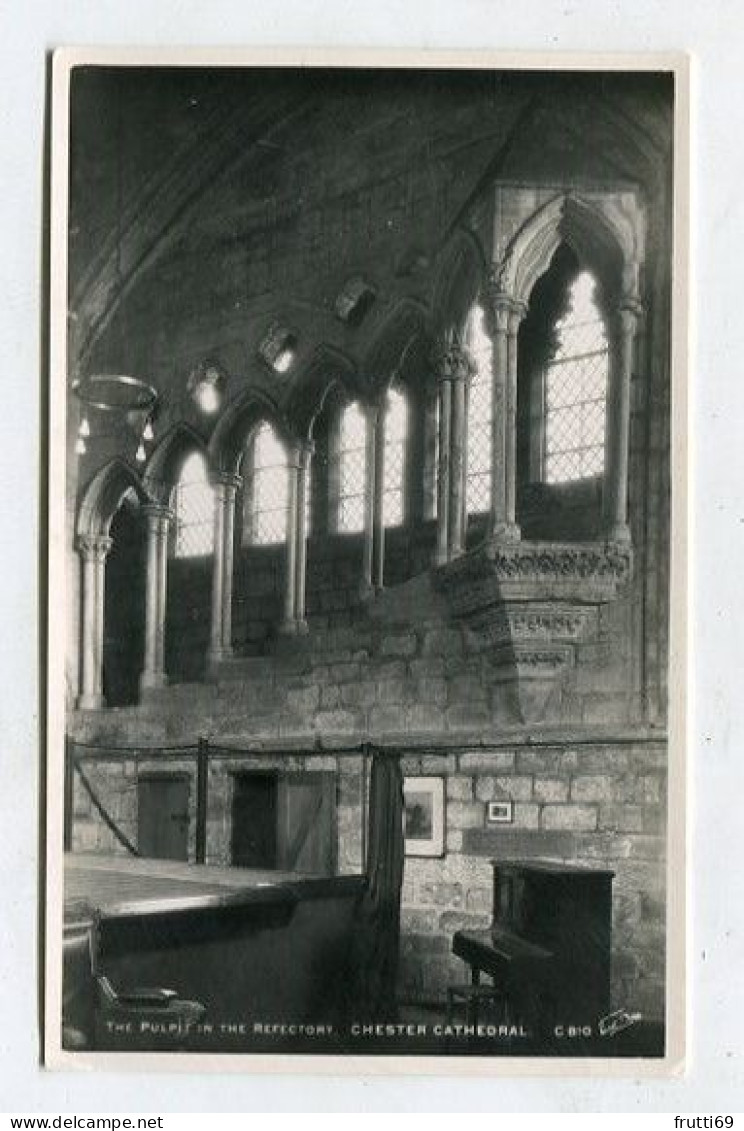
(587, 785)
(601, 804)
(114, 780)
(334, 568)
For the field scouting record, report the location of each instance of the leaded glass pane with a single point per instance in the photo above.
(352, 470)
(395, 438)
(478, 487)
(576, 390)
(270, 488)
(193, 503)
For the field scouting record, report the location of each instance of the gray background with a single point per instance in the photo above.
(712, 32)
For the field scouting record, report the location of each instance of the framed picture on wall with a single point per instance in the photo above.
(423, 816)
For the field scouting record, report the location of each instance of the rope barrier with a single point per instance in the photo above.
(409, 750)
(104, 814)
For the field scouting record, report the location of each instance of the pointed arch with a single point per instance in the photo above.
(103, 496)
(236, 424)
(605, 238)
(406, 324)
(168, 456)
(327, 368)
(461, 271)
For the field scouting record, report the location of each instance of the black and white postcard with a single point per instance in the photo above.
(367, 528)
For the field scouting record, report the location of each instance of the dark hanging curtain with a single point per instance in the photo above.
(378, 933)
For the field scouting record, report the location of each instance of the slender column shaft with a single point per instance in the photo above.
(218, 574)
(378, 578)
(454, 368)
(457, 467)
(225, 490)
(618, 425)
(100, 584)
(499, 323)
(290, 570)
(230, 490)
(88, 619)
(465, 434)
(505, 316)
(370, 436)
(162, 556)
(151, 596)
(153, 674)
(93, 551)
(443, 477)
(303, 488)
(515, 317)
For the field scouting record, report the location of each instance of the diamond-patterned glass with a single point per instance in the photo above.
(352, 470)
(193, 503)
(270, 488)
(478, 487)
(395, 439)
(576, 390)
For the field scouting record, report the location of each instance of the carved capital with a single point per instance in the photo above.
(504, 312)
(157, 515)
(451, 361)
(225, 481)
(94, 547)
(499, 278)
(624, 317)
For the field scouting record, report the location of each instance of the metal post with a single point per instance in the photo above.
(69, 797)
(202, 799)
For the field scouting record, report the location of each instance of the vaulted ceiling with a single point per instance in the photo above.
(206, 202)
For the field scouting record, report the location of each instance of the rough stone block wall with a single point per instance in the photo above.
(333, 592)
(588, 785)
(600, 805)
(114, 781)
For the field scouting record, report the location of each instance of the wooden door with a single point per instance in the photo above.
(163, 816)
(253, 839)
(307, 823)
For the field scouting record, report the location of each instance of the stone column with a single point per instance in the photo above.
(617, 427)
(443, 472)
(516, 314)
(466, 432)
(458, 464)
(454, 370)
(503, 322)
(371, 413)
(378, 517)
(158, 523)
(225, 490)
(93, 550)
(288, 625)
(303, 488)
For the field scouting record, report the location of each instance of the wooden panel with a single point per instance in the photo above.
(163, 816)
(307, 835)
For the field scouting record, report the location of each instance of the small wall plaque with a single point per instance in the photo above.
(500, 812)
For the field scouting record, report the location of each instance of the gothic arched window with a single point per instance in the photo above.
(193, 504)
(480, 413)
(352, 469)
(396, 432)
(267, 485)
(575, 390)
